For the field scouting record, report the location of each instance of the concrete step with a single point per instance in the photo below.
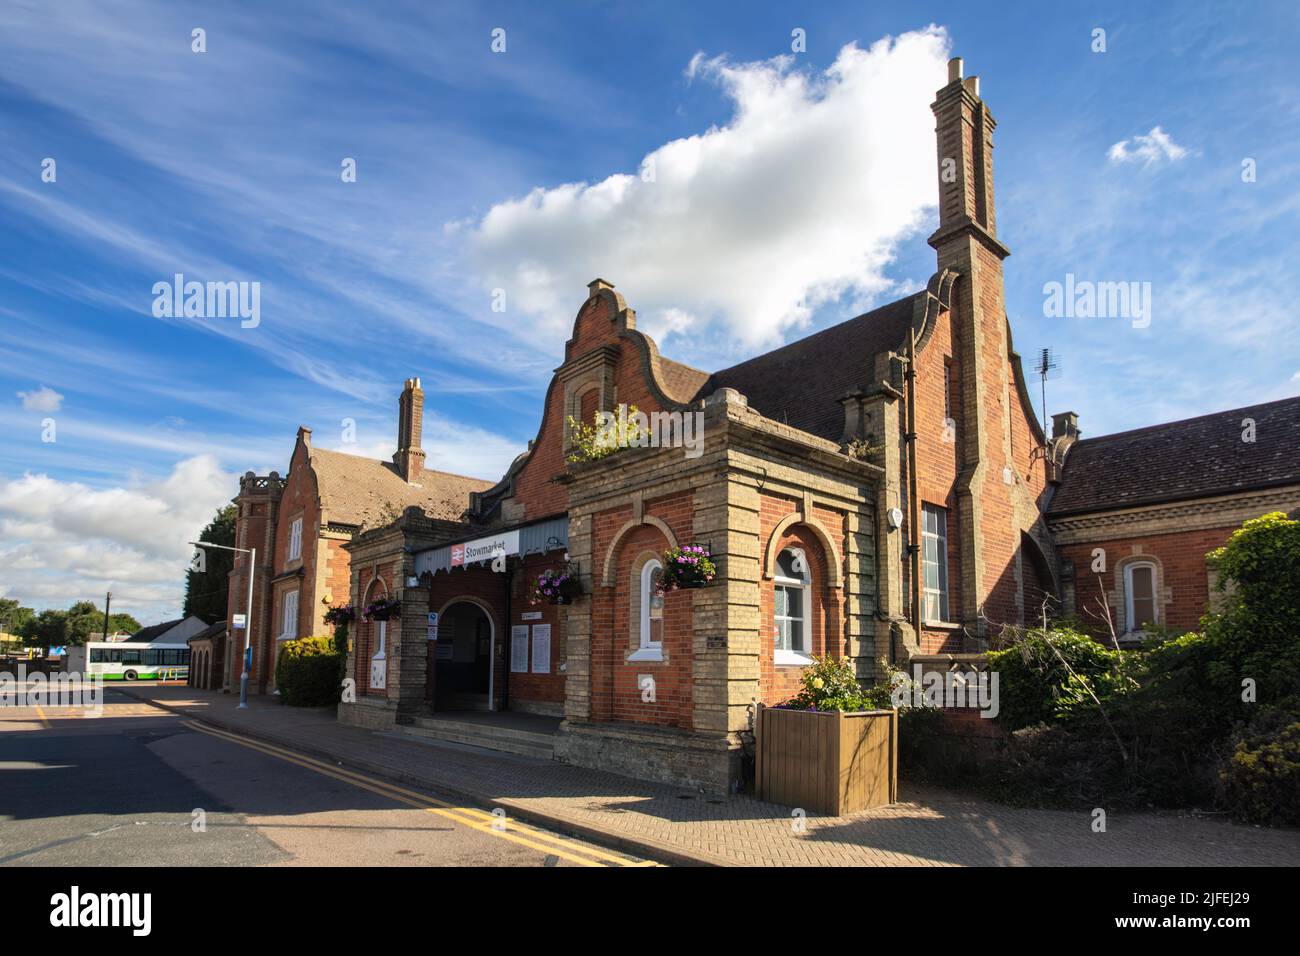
(505, 739)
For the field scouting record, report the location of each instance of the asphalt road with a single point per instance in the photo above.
(140, 786)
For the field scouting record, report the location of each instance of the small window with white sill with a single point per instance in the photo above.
(934, 564)
(650, 631)
(792, 607)
(289, 616)
(295, 540)
(1140, 608)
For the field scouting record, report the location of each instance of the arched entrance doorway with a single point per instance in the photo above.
(462, 658)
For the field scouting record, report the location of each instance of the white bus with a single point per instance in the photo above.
(127, 661)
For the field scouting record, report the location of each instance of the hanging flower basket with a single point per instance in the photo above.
(556, 587)
(383, 610)
(343, 614)
(687, 567)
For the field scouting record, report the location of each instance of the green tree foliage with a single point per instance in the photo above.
(13, 615)
(206, 590)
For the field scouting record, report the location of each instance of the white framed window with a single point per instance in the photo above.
(792, 606)
(934, 563)
(1140, 596)
(289, 616)
(650, 628)
(295, 540)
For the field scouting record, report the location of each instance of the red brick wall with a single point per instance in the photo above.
(777, 684)
(1181, 559)
(615, 692)
(367, 632)
(534, 487)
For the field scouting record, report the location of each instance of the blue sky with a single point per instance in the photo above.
(792, 190)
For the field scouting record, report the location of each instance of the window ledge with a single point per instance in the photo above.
(791, 659)
(643, 654)
(941, 625)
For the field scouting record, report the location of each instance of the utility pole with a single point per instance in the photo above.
(248, 616)
(108, 601)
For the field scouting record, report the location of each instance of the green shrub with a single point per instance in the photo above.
(1261, 780)
(828, 684)
(1035, 685)
(309, 672)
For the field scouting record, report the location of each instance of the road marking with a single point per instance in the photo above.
(41, 714)
(472, 817)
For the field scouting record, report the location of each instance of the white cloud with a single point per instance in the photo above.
(1155, 147)
(799, 199)
(64, 541)
(44, 399)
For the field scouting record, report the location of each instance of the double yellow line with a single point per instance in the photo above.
(472, 817)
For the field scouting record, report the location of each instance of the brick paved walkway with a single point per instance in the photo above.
(929, 827)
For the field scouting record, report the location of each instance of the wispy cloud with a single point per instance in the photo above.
(1148, 149)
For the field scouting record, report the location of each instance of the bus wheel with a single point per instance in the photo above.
(130, 675)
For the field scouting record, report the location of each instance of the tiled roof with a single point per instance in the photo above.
(680, 381)
(212, 630)
(1194, 458)
(369, 492)
(801, 383)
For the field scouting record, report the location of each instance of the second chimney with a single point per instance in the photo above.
(410, 422)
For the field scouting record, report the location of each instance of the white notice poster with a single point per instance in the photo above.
(541, 648)
(519, 649)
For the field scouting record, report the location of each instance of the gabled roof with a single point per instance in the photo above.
(212, 630)
(368, 492)
(1193, 458)
(153, 631)
(800, 384)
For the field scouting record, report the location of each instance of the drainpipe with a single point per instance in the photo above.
(913, 491)
(507, 642)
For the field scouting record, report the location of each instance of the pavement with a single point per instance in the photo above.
(927, 827)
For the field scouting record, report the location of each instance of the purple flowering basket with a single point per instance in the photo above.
(690, 566)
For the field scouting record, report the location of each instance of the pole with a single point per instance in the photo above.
(248, 633)
(108, 600)
(248, 618)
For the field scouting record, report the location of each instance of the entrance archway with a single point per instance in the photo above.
(463, 657)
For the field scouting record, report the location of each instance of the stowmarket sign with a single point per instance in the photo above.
(485, 549)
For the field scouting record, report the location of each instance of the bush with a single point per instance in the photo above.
(828, 684)
(1035, 686)
(309, 672)
(1261, 781)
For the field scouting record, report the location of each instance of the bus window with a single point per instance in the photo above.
(96, 655)
(130, 657)
(153, 656)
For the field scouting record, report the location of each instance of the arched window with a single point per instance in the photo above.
(793, 608)
(1140, 606)
(651, 627)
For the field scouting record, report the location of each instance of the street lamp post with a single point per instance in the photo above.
(248, 618)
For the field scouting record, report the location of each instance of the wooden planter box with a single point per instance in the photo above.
(827, 762)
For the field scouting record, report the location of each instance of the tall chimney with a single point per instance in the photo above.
(964, 129)
(410, 422)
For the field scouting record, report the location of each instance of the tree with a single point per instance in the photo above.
(47, 629)
(205, 591)
(12, 615)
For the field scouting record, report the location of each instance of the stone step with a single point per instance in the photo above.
(507, 740)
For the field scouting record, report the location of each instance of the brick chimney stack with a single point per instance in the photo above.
(410, 422)
(964, 132)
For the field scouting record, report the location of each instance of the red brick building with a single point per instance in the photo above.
(880, 489)
(298, 525)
